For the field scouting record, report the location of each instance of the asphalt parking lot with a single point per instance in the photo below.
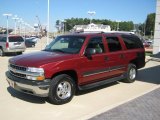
(85, 105)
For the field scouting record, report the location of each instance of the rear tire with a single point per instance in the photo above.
(62, 89)
(131, 74)
(1, 52)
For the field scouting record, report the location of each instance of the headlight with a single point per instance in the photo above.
(36, 70)
(35, 73)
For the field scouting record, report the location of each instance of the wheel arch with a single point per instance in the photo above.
(135, 62)
(71, 73)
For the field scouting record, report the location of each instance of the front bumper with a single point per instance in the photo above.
(37, 88)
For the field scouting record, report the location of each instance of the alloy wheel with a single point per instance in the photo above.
(64, 90)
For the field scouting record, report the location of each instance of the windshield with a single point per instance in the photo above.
(66, 44)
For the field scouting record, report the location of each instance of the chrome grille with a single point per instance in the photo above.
(18, 74)
(14, 68)
(18, 67)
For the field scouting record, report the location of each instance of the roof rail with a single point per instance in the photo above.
(101, 32)
(121, 32)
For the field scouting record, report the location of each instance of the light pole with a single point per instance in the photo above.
(24, 29)
(7, 15)
(64, 26)
(91, 13)
(15, 18)
(118, 24)
(151, 34)
(48, 23)
(20, 25)
(144, 29)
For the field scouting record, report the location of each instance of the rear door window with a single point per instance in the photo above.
(113, 44)
(16, 39)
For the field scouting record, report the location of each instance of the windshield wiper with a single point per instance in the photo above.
(57, 50)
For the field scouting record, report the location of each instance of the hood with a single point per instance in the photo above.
(38, 59)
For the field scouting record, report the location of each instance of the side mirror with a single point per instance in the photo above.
(89, 52)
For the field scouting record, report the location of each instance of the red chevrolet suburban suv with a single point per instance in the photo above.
(76, 62)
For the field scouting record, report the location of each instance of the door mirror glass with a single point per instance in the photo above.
(90, 51)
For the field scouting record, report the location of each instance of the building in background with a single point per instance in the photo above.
(91, 28)
(156, 45)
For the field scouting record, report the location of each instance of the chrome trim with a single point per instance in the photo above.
(122, 67)
(34, 74)
(16, 65)
(95, 73)
(16, 75)
(29, 89)
(117, 69)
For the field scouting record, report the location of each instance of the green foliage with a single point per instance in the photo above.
(126, 26)
(150, 23)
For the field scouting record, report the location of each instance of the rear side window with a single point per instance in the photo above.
(3, 39)
(113, 44)
(16, 39)
(132, 42)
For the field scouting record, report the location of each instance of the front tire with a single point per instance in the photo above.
(131, 73)
(62, 89)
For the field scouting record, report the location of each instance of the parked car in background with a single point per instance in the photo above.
(29, 42)
(11, 44)
(35, 38)
(148, 43)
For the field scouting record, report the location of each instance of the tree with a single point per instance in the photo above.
(126, 26)
(70, 23)
(150, 23)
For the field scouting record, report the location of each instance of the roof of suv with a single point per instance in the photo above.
(108, 33)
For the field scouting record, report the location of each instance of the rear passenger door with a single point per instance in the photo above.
(116, 56)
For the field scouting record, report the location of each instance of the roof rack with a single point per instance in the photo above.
(101, 32)
(121, 32)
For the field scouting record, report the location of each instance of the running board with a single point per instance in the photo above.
(100, 83)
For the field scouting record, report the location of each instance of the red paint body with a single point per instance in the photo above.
(55, 62)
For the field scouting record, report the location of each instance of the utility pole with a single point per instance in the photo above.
(15, 18)
(91, 13)
(48, 23)
(7, 15)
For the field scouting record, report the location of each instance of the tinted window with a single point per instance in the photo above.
(2, 39)
(113, 44)
(132, 42)
(97, 44)
(16, 39)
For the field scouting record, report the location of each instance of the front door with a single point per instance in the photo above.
(94, 68)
